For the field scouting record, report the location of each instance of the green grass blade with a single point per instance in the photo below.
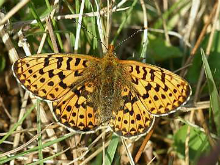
(48, 4)
(2, 2)
(112, 148)
(36, 16)
(69, 6)
(214, 97)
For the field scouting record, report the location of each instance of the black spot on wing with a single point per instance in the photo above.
(50, 73)
(138, 117)
(89, 115)
(77, 61)
(68, 108)
(131, 69)
(157, 88)
(51, 83)
(63, 85)
(30, 71)
(68, 63)
(84, 63)
(125, 111)
(59, 62)
(163, 77)
(81, 116)
(76, 73)
(137, 69)
(148, 87)
(134, 80)
(145, 73)
(44, 91)
(145, 96)
(52, 95)
(152, 74)
(41, 71)
(131, 112)
(46, 61)
(163, 96)
(61, 75)
(73, 114)
(42, 80)
(156, 98)
(165, 88)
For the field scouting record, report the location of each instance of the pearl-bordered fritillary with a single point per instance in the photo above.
(88, 92)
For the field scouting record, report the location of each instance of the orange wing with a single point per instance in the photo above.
(51, 76)
(161, 91)
(76, 110)
(132, 119)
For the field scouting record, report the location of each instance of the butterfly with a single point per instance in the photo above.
(88, 92)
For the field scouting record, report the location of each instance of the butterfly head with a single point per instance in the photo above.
(111, 48)
(110, 55)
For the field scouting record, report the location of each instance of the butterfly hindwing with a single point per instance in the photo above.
(51, 76)
(132, 119)
(75, 109)
(160, 90)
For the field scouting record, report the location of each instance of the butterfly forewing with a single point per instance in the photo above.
(160, 90)
(51, 76)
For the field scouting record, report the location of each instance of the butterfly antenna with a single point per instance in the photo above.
(84, 28)
(120, 43)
